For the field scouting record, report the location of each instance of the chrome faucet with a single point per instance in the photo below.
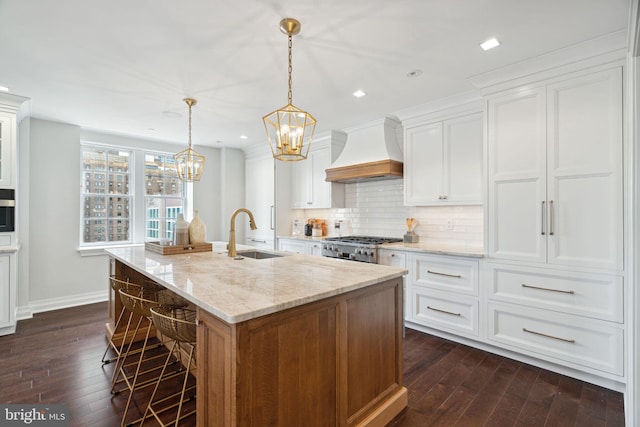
(231, 246)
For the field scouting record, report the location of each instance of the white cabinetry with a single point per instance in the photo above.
(300, 246)
(259, 199)
(443, 161)
(309, 190)
(7, 294)
(293, 245)
(7, 147)
(555, 282)
(555, 172)
(393, 258)
(443, 293)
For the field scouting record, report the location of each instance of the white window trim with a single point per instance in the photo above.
(137, 226)
(132, 217)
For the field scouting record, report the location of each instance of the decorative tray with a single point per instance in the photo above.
(177, 249)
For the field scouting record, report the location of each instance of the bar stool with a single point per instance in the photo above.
(178, 324)
(138, 301)
(124, 351)
(116, 285)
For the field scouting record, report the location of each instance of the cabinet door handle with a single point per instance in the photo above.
(542, 216)
(548, 336)
(550, 217)
(457, 276)
(271, 220)
(258, 241)
(547, 289)
(444, 311)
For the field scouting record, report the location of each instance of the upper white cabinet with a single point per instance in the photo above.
(555, 172)
(443, 162)
(309, 190)
(7, 146)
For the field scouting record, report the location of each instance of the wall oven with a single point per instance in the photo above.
(7, 210)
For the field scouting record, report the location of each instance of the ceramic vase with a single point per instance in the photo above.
(181, 231)
(197, 229)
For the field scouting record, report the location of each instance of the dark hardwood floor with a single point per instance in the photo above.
(55, 358)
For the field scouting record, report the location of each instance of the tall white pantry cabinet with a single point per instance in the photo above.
(555, 217)
(9, 106)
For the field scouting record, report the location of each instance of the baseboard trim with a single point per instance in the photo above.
(39, 306)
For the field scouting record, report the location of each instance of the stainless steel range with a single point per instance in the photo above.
(355, 248)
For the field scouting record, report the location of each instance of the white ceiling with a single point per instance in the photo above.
(124, 66)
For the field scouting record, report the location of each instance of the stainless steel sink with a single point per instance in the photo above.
(255, 254)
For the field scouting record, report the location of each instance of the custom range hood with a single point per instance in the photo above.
(372, 152)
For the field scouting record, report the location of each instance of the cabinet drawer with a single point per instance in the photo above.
(592, 295)
(557, 337)
(444, 273)
(392, 258)
(441, 310)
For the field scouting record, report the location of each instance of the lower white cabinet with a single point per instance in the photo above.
(442, 310)
(572, 318)
(300, 246)
(443, 293)
(597, 296)
(314, 248)
(7, 294)
(444, 273)
(557, 337)
(293, 245)
(392, 257)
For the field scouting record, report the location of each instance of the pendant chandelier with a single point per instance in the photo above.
(289, 129)
(188, 162)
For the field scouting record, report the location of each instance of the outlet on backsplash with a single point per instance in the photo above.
(449, 224)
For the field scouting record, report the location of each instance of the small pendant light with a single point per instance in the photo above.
(189, 163)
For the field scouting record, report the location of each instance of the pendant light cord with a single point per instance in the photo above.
(189, 125)
(290, 95)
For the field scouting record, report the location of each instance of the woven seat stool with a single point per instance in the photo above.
(179, 325)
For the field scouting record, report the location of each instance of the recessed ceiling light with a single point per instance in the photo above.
(151, 129)
(244, 137)
(414, 73)
(359, 93)
(490, 44)
(171, 114)
(4, 89)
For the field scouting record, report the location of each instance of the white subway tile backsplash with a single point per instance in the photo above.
(377, 208)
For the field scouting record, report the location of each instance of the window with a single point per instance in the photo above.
(105, 207)
(164, 196)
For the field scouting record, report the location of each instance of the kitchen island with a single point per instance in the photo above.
(286, 341)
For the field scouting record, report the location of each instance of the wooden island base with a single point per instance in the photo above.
(334, 362)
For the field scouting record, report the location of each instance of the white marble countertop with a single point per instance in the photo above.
(427, 247)
(239, 290)
(305, 238)
(436, 248)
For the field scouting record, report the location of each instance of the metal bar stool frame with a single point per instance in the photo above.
(116, 285)
(141, 304)
(178, 324)
(151, 290)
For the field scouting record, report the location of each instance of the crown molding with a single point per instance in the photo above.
(608, 48)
